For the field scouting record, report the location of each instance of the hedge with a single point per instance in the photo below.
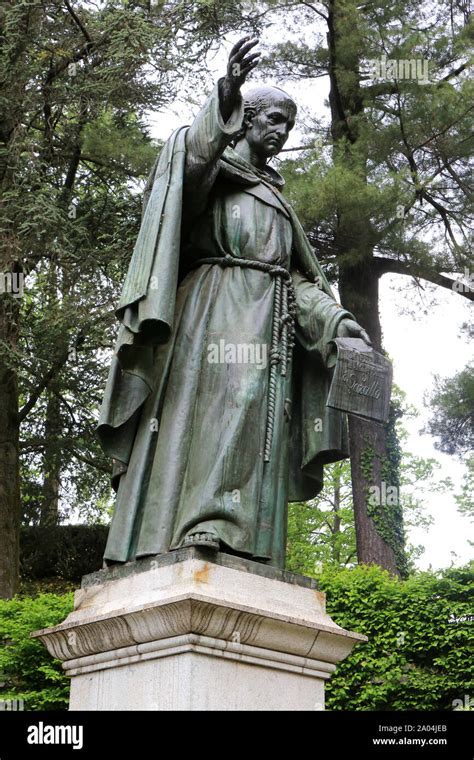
(419, 654)
(27, 670)
(62, 551)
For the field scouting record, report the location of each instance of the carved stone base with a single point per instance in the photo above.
(198, 630)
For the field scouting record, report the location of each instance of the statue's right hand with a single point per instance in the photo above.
(240, 63)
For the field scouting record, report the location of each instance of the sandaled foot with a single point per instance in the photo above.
(202, 539)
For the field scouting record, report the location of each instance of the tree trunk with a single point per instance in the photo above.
(16, 37)
(9, 451)
(336, 553)
(51, 463)
(379, 531)
(376, 531)
(368, 449)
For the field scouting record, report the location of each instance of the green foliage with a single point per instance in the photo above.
(388, 176)
(419, 654)
(321, 532)
(465, 497)
(64, 552)
(382, 184)
(27, 670)
(452, 412)
(388, 517)
(78, 82)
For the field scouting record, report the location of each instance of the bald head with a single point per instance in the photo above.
(265, 95)
(269, 116)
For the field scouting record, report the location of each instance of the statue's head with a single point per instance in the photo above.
(269, 116)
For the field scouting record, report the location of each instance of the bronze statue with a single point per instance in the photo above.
(215, 408)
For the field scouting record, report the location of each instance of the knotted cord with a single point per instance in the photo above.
(283, 327)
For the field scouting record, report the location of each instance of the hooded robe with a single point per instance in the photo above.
(185, 409)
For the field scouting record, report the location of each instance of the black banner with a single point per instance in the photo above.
(117, 734)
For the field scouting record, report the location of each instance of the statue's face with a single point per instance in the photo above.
(267, 131)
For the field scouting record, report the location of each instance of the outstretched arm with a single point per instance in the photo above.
(215, 126)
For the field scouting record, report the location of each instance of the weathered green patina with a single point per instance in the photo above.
(213, 421)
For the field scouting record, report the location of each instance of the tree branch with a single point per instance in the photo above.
(42, 385)
(78, 21)
(46, 379)
(455, 72)
(385, 265)
(89, 461)
(392, 88)
(315, 10)
(301, 147)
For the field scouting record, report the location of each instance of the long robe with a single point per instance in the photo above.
(185, 414)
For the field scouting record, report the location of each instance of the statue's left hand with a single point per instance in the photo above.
(242, 60)
(347, 328)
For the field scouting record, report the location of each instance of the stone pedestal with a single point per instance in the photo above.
(193, 630)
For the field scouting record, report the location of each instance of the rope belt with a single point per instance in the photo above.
(283, 327)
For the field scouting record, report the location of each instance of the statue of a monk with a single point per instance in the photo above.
(215, 408)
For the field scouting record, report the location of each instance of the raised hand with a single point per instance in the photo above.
(241, 62)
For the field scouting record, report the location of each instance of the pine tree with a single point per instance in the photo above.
(77, 80)
(384, 186)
